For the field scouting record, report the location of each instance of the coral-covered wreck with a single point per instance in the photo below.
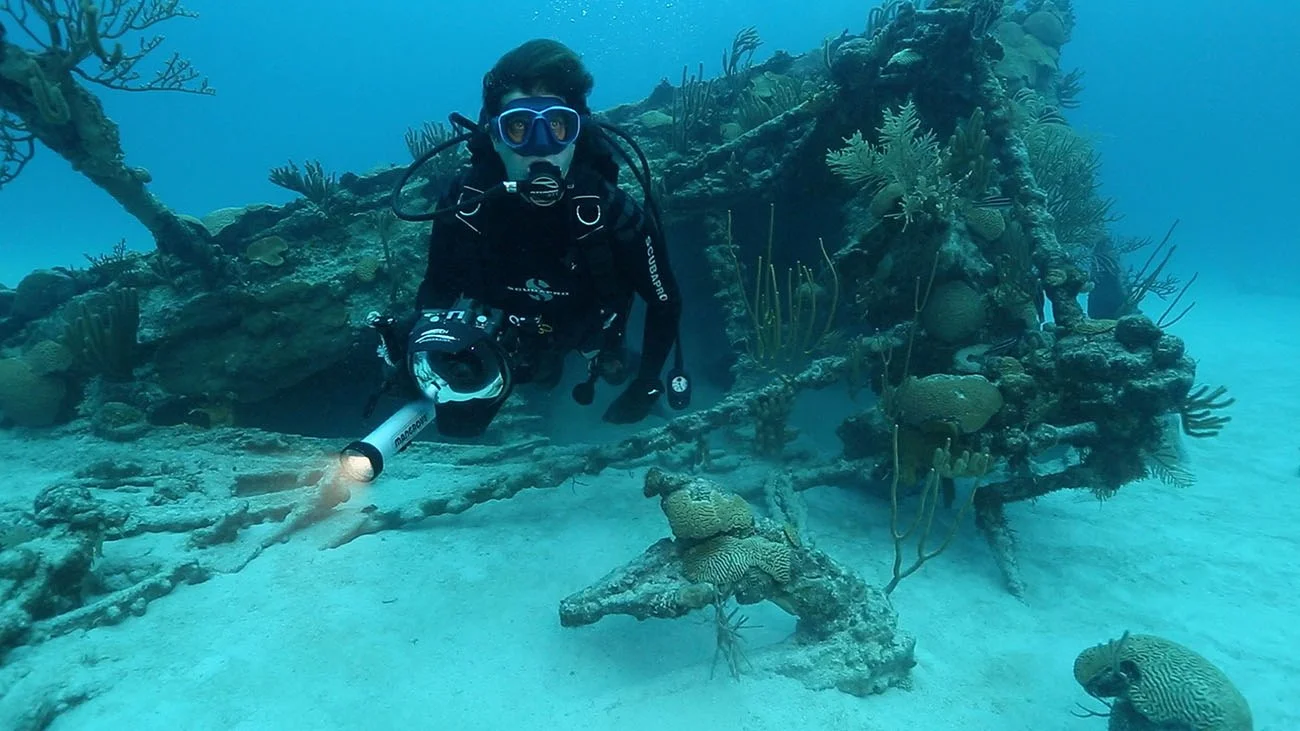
(905, 211)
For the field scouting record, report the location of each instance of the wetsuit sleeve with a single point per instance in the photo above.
(448, 272)
(642, 257)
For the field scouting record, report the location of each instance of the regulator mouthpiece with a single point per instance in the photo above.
(544, 186)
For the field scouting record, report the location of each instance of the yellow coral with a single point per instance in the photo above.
(268, 250)
(726, 559)
(1167, 684)
(967, 402)
(699, 512)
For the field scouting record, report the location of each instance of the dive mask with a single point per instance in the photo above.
(536, 126)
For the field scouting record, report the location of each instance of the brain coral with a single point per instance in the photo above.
(696, 513)
(367, 269)
(1159, 684)
(954, 313)
(726, 559)
(716, 533)
(986, 223)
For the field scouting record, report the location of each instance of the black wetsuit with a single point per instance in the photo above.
(562, 273)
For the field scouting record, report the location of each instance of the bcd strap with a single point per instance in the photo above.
(592, 238)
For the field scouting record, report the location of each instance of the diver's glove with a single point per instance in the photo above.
(613, 366)
(635, 402)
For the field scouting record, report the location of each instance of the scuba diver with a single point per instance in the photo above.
(535, 252)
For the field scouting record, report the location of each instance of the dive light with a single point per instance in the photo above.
(363, 460)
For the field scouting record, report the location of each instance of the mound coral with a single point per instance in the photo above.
(28, 397)
(966, 402)
(268, 250)
(955, 312)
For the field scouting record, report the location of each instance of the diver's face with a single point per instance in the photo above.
(534, 126)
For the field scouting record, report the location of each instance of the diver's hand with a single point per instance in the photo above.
(635, 402)
(613, 368)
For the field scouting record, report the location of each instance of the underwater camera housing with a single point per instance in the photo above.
(454, 360)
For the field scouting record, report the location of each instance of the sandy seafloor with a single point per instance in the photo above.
(453, 624)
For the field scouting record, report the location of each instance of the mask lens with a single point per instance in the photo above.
(538, 130)
(562, 122)
(515, 124)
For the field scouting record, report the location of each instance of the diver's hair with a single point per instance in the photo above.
(543, 64)
(538, 64)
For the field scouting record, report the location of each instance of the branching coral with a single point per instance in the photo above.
(1068, 88)
(312, 183)
(1150, 278)
(767, 96)
(42, 98)
(1065, 166)
(1167, 462)
(969, 160)
(17, 146)
(787, 323)
(881, 16)
(944, 467)
(1197, 412)
(694, 110)
(771, 412)
(905, 157)
(731, 643)
(73, 31)
(741, 55)
(420, 141)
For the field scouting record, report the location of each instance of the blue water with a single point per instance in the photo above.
(331, 81)
(1193, 106)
